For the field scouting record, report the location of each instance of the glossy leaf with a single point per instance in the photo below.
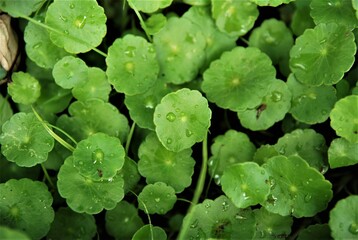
(296, 188)
(99, 157)
(311, 104)
(70, 72)
(25, 141)
(20, 210)
(149, 232)
(272, 109)
(322, 55)
(344, 118)
(235, 18)
(80, 25)
(72, 225)
(342, 153)
(129, 173)
(157, 164)
(180, 50)
(6, 111)
(180, 123)
(149, 6)
(17, 8)
(157, 198)
(239, 79)
(219, 219)
(343, 218)
(132, 67)
(301, 18)
(271, 3)
(245, 184)
(155, 23)
(24, 88)
(228, 149)
(84, 195)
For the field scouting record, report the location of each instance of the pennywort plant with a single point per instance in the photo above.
(187, 119)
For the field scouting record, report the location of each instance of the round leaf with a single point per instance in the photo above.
(70, 72)
(344, 118)
(123, 221)
(80, 25)
(342, 153)
(181, 119)
(155, 23)
(245, 184)
(17, 8)
(149, 6)
(72, 225)
(301, 19)
(158, 164)
(343, 218)
(130, 174)
(296, 188)
(26, 205)
(311, 104)
(271, 3)
(234, 17)
(149, 232)
(239, 79)
(322, 55)
(25, 141)
(7, 233)
(132, 66)
(24, 88)
(84, 195)
(157, 198)
(99, 157)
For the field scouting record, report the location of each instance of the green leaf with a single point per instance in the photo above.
(70, 72)
(228, 149)
(355, 7)
(197, 2)
(25, 141)
(344, 118)
(157, 164)
(149, 6)
(311, 104)
(322, 55)
(18, 8)
(157, 198)
(317, 231)
(132, 67)
(80, 25)
(307, 144)
(123, 221)
(99, 157)
(219, 219)
(239, 79)
(95, 86)
(270, 225)
(155, 23)
(6, 111)
(337, 11)
(264, 153)
(273, 38)
(235, 18)
(343, 218)
(301, 18)
(72, 225)
(130, 174)
(180, 123)
(150, 232)
(84, 195)
(19, 208)
(342, 153)
(180, 49)
(272, 109)
(39, 47)
(245, 184)
(7, 233)
(10, 170)
(271, 3)
(296, 188)
(24, 88)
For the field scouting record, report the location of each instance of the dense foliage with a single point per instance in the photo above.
(179, 119)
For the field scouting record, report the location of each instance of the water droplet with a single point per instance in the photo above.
(225, 206)
(323, 41)
(66, 32)
(37, 45)
(149, 105)
(80, 21)
(110, 179)
(188, 133)
(171, 117)
(80, 162)
(217, 179)
(194, 224)
(157, 200)
(63, 18)
(207, 205)
(239, 217)
(130, 51)
(150, 49)
(72, 5)
(300, 66)
(97, 156)
(308, 197)
(169, 140)
(353, 228)
(276, 96)
(282, 150)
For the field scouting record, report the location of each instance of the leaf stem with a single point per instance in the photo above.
(142, 23)
(61, 33)
(47, 176)
(129, 138)
(63, 132)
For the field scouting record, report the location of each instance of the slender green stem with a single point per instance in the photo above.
(47, 176)
(61, 33)
(142, 23)
(245, 41)
(198, 190)
(52, 133)
(184, 200)
(129, 138)
(63, 132)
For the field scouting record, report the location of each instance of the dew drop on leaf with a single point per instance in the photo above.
(308, 197)
(37, 45)
(300, 66)
(194, 224)
(188, 133)
(276, 96)
(72, 5)
(169, 140)
(130, 51)
(171, 117)
(353, 228)
(63, 18)
(157, 200)
(225, 206)
(80, 21)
